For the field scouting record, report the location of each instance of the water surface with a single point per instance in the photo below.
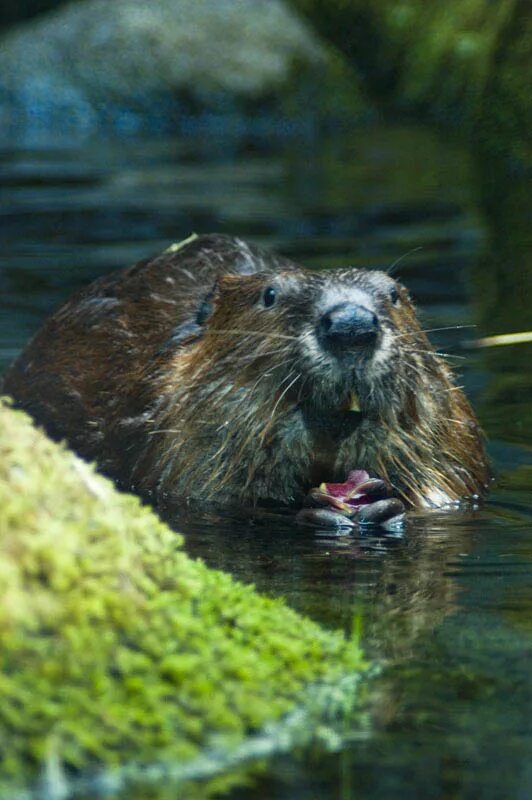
(446, 608)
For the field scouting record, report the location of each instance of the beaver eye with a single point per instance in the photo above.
(269, 296)
(394, 295)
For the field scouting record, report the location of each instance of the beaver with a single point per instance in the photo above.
(220, 372)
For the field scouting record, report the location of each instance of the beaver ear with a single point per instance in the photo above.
(185, 333)
(206, 305)
(192, 329)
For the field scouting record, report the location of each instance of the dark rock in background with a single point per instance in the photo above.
(129, 64)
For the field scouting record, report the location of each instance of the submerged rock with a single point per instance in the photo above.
(117, 647)
(129, 62)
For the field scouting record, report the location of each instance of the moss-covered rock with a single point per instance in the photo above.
(134, 64)
(117, 647)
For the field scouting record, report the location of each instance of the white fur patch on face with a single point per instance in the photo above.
(381, 356)
(310, 345)
(333, 295)
(324, 368)
(312, 350)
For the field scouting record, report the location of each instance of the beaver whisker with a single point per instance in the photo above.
(268, 374)
(302, 386)
(245, 331)
(287, 376)
(454, 389)
(272, 415)
(258, 356)
(437, 353)
(433, 330)
(455, 421)
(397, 261)
(165, 430)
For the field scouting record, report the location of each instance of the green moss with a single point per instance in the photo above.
(116, 647)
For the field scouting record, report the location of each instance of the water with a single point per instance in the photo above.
(446, 608)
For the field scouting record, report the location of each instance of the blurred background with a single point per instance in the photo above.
(339, 133)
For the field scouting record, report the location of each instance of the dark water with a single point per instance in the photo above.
(447, 607)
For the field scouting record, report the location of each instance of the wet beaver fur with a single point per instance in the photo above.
(219, 371)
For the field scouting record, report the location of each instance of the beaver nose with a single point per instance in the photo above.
(347, 325)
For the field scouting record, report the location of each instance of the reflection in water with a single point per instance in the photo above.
(398, 584)
(446, 608)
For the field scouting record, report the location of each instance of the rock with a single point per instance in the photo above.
(116, 647)
(94, 62)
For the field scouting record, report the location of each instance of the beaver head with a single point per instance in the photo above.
(333, 340)
(291, 376)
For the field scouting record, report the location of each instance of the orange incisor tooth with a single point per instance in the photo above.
(354, 402)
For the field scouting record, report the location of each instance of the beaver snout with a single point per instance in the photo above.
(347, 325)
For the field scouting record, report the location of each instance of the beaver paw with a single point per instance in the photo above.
(361, 500)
